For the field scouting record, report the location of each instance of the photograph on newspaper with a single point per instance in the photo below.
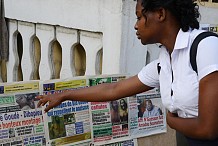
(69, 122)
(20, 119)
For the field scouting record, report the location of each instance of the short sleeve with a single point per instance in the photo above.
(207, 56)
(149, 74)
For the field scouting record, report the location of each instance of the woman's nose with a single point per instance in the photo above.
(136, 26)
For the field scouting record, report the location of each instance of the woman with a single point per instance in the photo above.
(115, 117)
(141, 108)
(123, 111)
(190, 98)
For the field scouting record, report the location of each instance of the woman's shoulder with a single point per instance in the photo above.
(194, 33)
(206, 57)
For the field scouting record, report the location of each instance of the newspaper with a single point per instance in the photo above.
(16, 141)
(147, 114)
(209, 27)
(131, 142)
(19, 116)
(69, 122)
(109, 119)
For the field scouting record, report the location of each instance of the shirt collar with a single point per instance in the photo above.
(182, 39)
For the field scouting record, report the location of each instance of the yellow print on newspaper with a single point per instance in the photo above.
(70, 84)
(21, 87)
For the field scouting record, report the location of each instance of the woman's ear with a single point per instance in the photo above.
(161, 12)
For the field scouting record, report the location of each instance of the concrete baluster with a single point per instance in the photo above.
(98, 63)
(12, 64)
(45, 33)
(27, 31)
(67, 39)
(92, 43)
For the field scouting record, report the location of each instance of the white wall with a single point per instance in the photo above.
(133, 53)
(208, 15)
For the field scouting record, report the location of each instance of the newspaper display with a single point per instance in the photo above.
(147, 114)
(21, 122)
(76, 123)
(209, 27)
(69, 122)
(109, 119)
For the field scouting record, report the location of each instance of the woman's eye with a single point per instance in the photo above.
(138, 18)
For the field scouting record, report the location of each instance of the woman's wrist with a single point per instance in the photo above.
(65, 96)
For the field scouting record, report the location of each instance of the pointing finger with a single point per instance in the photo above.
(39, 97)
(39, 103)
(47, 108)
(43, 102)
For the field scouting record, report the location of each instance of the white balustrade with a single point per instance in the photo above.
(95, 60)
(68, 38)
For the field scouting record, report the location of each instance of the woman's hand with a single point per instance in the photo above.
(170, 116)
(53, 100)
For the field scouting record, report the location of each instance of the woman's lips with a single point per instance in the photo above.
(138, 36)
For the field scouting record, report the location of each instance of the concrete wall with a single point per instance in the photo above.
(209, 15)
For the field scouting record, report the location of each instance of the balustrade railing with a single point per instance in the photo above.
(39, 51)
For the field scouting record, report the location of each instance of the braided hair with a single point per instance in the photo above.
(185, 11)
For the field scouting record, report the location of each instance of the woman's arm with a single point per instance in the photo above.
(205, 126)
(102, 92)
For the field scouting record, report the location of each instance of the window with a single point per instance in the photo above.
(214, 1)
(209, 3)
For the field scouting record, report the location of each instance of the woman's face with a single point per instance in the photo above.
(123, 104)
(146, 26)
(115, 105)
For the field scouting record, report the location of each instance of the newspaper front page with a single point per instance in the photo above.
(109, 119)
(69, 122)
(210, 27)
(21, 122)
(147, 114)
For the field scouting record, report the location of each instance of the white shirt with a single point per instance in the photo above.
(177, 75)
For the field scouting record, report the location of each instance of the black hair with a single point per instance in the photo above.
(185, 11)
(124, 101)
